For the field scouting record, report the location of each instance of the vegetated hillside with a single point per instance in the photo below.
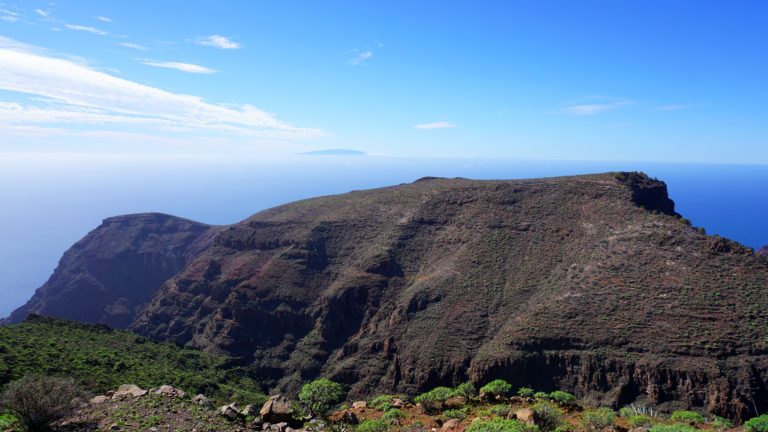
(113, 271)
(102, 359)
(591, 284)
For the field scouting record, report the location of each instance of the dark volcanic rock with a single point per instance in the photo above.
(590, 284)
(113, 271)
(763, 251)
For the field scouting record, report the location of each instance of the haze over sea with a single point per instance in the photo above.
(51, 201)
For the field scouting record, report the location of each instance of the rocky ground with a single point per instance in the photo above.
(131, 408)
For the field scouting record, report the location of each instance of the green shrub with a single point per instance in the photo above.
(563, 398)
(541, 395)
(393, 415)
(757, 424)
(525, 392)
(381, 402)
(39, 400)
(379, 425)
(626, 412)
(672, 428)
(500, 425)
(497, 388)
(549, 415)
(639, 420)
(691, 417)
(320, 395)
(459, 414)
(7, 421)
(598, 419)
(437, 394)
(721, 423)
(500, 410)
(466, 390)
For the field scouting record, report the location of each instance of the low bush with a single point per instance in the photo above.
(639, 420)
(381, 402)
(496, 388)
(690, 417)
(459, 414)
(500, 425)
(434, 399)
(626, 412)
(563, 398)
(320, 395)
(393, 415)
(541, 395)
(500, 410)
(721, 423)
(7, 421)
(466, 390)
(525, 392)
(598, 419)
(672, 428)
(379, 425)
(757, 424)
(549, 416)
(37, 401)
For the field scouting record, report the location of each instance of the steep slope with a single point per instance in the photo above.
(591, 284)
(762, 251)
(114, 270)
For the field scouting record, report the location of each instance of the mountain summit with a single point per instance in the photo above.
(592, 284)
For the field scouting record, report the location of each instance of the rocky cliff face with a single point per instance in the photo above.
(591, 284)
(763, 251)
(113, 271)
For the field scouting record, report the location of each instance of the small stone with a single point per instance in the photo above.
(114, 426)
(99, 399)
(525, 415)
(230, 411)
(249, 410)
(359, 404)
(129, 390)
(202, 401)
(451, 425)
(397, 403)
(167, 390)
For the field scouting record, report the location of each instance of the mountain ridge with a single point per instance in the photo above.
(592, 284)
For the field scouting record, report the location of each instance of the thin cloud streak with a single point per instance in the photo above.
(183, 67)
(103, 19)
(435, 125)
(133, 46)
(86, 29)
(361, 58)
(600, 105)
(77, 94)
(218, 41)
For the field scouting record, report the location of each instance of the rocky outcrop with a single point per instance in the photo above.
(113, 271)
(763, 251)
(276, 410)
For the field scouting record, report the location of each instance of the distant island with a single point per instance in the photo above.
(334, 152)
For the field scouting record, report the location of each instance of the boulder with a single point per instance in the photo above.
(99, 399)
(277, 409)
(349, 418)
(202, 401)
(249, 410)
(455, 402)
(525, 415)
(451, 425)
(128, 391)
(359, 404)
(167, 390)
(277, 427)
(231, 411)
(397, 403)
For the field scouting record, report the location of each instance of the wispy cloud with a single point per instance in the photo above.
(85, 29)
(183, 67)
(9, 16)
(76, 94)
(360, 57)
(45, 14)
(595, 105)
(133, 46)
(435, 125)
(102, 18)
(218, 41)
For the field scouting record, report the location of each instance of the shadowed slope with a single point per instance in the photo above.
(113, 271)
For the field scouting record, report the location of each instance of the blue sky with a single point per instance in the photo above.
(671, 81)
